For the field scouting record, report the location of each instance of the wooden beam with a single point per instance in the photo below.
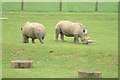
(89, 74)
(60, 5)
(22, 5)
(96, 7)
(21, 64)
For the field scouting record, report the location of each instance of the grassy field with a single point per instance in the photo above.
(67, 58)
(66, 6)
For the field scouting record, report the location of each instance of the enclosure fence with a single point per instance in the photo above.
(60, 6)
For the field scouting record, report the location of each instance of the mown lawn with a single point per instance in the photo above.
(67, 57)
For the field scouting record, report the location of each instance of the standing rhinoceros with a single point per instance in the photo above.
(33, 31)
(71, 29)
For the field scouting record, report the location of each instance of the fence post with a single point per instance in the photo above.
(60, 5)
(22, 5)
(96, 7)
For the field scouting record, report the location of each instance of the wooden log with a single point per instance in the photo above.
(21, 64)
(89, 74)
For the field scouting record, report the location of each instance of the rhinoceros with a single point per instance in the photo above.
(33, 31)
(71, 29)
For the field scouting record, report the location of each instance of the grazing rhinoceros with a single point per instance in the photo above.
(71, 29)
(33, 31)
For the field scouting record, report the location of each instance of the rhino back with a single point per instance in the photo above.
(69, 28)
(34, 30)
(39, 30)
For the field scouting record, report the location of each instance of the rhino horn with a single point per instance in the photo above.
(88, 38)
(90, 41)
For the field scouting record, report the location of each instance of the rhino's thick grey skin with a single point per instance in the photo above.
(33, 31)
(71, 29)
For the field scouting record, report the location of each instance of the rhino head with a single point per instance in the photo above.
(84, 38)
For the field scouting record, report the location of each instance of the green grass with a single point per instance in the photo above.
(67, 57)
(66, 6)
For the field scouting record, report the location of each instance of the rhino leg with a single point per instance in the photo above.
(41, 40)
(57, 32)
(33, 40)
(76, 38)
(57, 35)
(62, 36)
(25, 39)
